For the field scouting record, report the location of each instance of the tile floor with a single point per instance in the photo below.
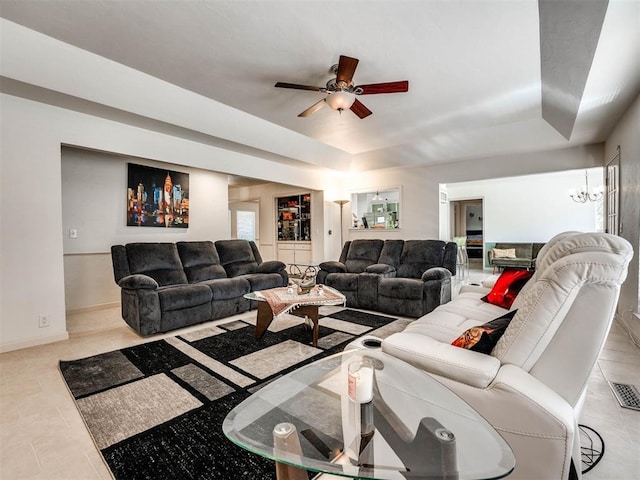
(43, 437)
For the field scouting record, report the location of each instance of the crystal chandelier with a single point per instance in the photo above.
(583, 195)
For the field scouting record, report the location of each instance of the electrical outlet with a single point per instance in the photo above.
(43, 320)
(73, 233)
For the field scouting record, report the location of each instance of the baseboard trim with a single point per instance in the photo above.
(33, 342)
(92, 308)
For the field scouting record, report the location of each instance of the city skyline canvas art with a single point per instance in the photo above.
(157, 197)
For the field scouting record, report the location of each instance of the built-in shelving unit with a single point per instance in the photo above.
(293, 226)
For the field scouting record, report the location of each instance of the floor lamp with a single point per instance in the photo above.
(342, 204)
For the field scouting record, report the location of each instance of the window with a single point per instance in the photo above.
(246, 225)
(612, 186)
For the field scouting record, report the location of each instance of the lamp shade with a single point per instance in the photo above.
(340, 100)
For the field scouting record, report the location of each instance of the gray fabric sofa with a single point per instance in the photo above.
(172, 285)
(400, 277)
(525, 255)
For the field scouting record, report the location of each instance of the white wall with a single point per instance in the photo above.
(420, 198)
(627, 136)
(31, 240)
(530, 208)
(94, 192)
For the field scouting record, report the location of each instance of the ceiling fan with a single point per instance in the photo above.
(342, 92)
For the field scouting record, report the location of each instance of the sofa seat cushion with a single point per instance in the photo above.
(263, 281)
(344, 282)
(449, 320)
(228, 288)
(183, 296)
(405, 288)
(159, 261)
(200, 261)
(512, 262)
(471, 305)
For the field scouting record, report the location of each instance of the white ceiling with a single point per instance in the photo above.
(474, 67)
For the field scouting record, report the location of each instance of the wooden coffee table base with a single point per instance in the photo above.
(265, 317)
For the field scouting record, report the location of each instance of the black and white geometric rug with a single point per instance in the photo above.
(155, 410)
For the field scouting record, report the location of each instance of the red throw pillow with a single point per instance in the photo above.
(507, 287)
(484, 337)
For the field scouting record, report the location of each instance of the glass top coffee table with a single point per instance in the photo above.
(365, 414)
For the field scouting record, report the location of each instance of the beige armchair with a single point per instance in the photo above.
(532, 385)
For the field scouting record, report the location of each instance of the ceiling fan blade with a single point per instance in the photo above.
(346, 69)
(297, 87)
(313, 108)
(388, 87)
(360, 110)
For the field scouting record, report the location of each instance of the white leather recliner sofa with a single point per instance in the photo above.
(531, 386)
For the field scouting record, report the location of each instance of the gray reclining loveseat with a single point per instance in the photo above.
(172, 285)
(400, 277)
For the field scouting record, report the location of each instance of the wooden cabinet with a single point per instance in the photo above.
(294, 252)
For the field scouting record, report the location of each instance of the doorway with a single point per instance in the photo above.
(467, 220)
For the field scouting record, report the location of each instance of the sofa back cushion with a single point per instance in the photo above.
(345, 252)
(159, 261)
(391, 252)
(535, 249)
(363, 253)
(200, 261)
(420, 255)
(236, 256)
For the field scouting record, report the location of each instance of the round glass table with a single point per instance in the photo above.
(365, 414)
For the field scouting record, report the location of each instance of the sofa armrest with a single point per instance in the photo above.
(272, 266)
(333, 267)
(459, 364)
(138, 282)
(381, 269)
(436, 273)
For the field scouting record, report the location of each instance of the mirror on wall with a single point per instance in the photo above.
(378, 209)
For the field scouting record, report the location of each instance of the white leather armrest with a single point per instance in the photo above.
(466, 366)
(527, 386)
(536, 422)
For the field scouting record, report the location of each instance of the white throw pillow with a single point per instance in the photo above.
(504, 253)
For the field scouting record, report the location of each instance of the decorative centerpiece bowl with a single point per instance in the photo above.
(303, 285)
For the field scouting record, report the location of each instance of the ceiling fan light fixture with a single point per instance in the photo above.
(340, 100)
